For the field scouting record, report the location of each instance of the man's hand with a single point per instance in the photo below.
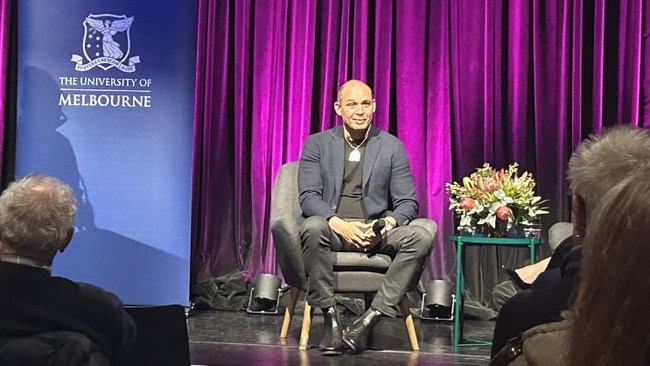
(390, 222)
(358, 234)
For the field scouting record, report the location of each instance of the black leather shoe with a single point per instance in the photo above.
(331, 344)
(355, 336)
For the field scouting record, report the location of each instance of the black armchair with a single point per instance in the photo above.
(353, 272)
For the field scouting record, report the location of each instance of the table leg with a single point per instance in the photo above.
(458, 309)
(459, 293)
(532, 251)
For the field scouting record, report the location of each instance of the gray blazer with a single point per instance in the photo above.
(387, 185)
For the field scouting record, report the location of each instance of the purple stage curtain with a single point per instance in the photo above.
(459, 82)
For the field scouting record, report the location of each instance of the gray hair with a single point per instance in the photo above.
(36, 213)
(602, 161)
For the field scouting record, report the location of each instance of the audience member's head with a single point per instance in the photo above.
(599, 163)
(611, 327)
(37, 216)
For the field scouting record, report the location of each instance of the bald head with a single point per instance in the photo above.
(356, 107)
(353, 84)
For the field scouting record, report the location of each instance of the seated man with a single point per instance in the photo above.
(36, 222)
(351, 177)
(596, 166)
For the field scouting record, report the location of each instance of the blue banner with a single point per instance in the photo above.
(105, 103)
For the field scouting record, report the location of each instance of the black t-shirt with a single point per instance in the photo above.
(351, 205)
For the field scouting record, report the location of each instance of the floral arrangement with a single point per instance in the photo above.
(494, 197)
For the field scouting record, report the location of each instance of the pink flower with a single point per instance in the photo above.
(467, 203)
(503, 212)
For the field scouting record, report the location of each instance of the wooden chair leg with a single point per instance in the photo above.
(306, 326)
(405, 307)
(288, 312)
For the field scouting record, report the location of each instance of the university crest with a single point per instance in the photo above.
(106, 43)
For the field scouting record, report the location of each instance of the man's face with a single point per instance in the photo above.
(356, 106)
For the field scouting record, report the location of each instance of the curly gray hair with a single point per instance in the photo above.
(36, 213)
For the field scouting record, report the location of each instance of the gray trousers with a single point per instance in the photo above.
(408, 246)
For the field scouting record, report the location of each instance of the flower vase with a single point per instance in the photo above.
(529, 231)
(500, 229)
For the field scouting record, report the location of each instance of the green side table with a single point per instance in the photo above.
(461, 241)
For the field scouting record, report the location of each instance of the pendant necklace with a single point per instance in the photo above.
(355, 155)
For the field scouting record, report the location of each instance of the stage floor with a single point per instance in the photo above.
(238, 338)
